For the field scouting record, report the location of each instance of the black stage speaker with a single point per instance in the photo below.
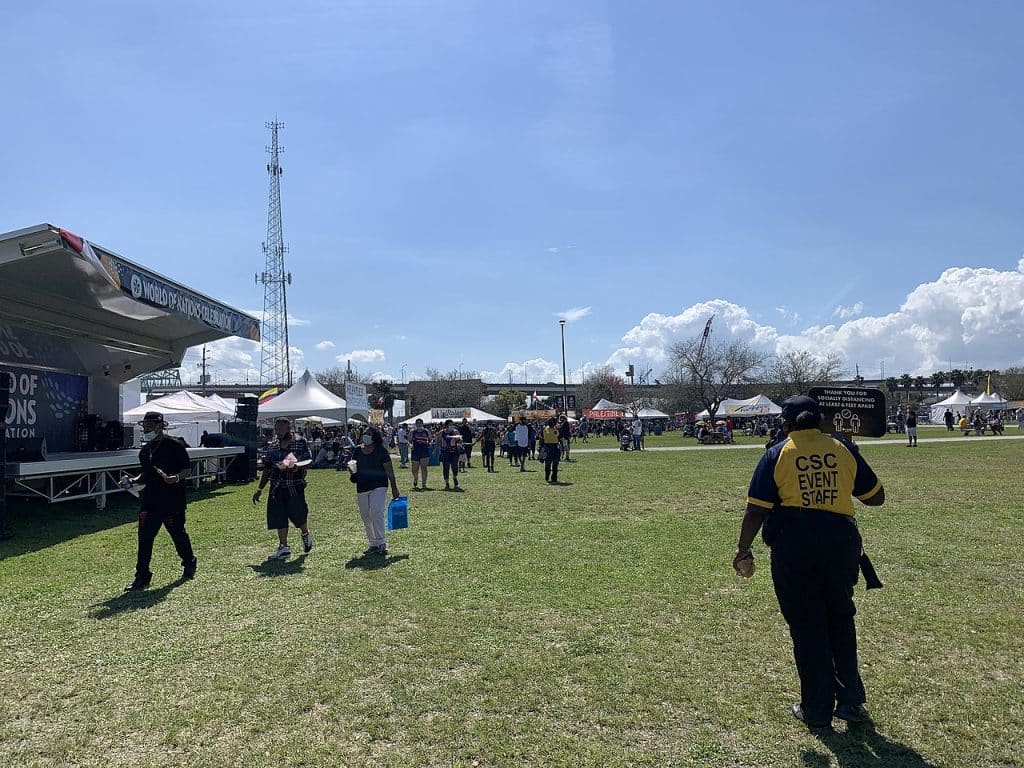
(242, 469)
(24, 449)
(112, 436)
(247, 408)
(87, 434)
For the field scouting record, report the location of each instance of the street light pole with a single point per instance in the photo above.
(565, 391)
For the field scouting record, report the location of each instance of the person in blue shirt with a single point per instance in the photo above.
(801, 498)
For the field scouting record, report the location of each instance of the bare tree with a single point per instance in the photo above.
(602, 382)
(334, 378)
(710, 378)
(795, 372)
(1010, 383)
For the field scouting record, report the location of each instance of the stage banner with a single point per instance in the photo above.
(745, 410)
(455, 414)
(601, 413)
(532, 414)
(150, 288)
(45, 404)
(355, 398)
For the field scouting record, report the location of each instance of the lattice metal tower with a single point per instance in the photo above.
(276, 367)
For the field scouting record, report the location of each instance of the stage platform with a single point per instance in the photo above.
(77, 476)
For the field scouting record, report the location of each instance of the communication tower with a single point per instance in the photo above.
(276, 367)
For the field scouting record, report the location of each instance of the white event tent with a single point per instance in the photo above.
(607, 405)
(651, 413)
(991, 400)
(181, 407)
(472, 414)
(759, 405)
(307, 397)
(958, 401)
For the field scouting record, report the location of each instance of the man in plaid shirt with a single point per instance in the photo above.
(287, 500)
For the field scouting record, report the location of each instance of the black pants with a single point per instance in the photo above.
(149, 527)
(450, 463)
(552, 456)
(815, 562)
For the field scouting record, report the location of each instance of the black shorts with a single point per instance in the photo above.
(283, 505)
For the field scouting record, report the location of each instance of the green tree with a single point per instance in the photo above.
(382, 396)
(506, 401)
(938, 379)
(604, 383)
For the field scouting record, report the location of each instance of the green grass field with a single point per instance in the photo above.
(594, 623)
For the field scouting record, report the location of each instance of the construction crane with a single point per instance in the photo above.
(703, 345)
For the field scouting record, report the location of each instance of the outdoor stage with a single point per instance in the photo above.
(77, 476)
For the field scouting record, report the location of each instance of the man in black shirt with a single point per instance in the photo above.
(165, 466)
(466, 432)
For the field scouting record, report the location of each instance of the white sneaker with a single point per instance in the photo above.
(281, 553)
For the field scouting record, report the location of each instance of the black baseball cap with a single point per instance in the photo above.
(797, 404)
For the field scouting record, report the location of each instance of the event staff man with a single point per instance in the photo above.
(287, 499)
(165, 466)
(801, 494)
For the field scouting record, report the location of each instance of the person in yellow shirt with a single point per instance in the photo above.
(552, 450)
(802, 495)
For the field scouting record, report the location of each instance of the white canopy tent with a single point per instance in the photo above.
(181, 406)
(228, 404)
(958, 401)
(991, 400)
(472, 414)
(607, 405)
(759, 405)
(651, 413)
(307, 397)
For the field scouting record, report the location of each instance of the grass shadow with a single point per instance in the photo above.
(373, 562)
(560, 483)
(271, 568)
(37, 525)
(132, 601)
(861, 746)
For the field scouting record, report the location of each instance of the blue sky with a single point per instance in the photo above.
(840, 177)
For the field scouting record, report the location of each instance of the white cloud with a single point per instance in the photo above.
(788, 314)
(362, 356)
(324, 345)
(293, 322)
(972, 316)
(574, 314)
(531, 371)
(232, 360)
(381, 376)
(845, 313)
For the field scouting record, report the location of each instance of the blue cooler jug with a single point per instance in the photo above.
(398, 513)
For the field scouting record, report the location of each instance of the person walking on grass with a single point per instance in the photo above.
(801, 494)
(912, 429)
(466, 432)
(372, 474)
(164, 466)
(522, 442)
(564, 436)
(551, 450)
(284, 467)
(451, 450)
(402, 439)
(509, 442)
(421, 442)
(488, 442)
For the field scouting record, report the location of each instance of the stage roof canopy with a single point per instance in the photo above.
(70, 305)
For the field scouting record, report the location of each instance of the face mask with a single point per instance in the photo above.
(149, 435)
(367, 440)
